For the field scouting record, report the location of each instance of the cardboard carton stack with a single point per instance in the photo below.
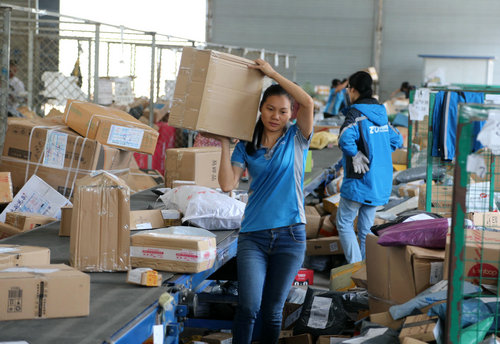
(100, 224)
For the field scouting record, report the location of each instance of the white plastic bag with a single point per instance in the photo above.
(205, 207)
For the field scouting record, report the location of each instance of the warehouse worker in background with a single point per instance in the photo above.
(272, 240)
(337, 98)
(367, 141)
(405, 88)
(17, 92)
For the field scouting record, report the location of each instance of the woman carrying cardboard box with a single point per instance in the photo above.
(272, 240)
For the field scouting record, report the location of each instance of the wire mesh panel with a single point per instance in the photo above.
(474, 247)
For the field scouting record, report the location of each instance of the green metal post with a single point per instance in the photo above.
(428, 186)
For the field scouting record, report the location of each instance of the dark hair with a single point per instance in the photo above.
(335, 83)
(405, 86)
(273, 90)
(362, 82)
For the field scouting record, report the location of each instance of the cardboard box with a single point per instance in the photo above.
(385, 319)
(409, 340)
(421, 327)
(170, 252)
(216, 93)
(110, 126)
(340, 277)
(441, 199)
(328, 227)
(321, 210)
(56, 154)
(46, 291)
(323, 246)
(378, 305)
(399, 273)
(359, 277)
(291, 313)
(100, 224)
(139, 180)
(305, 338)
(400, 157)
(36, 197)
(8, 230)
(65, 225)
(6, 194)
(146, 219)
(17, 255)
(144, 276)
(198, 164)
(218, 338)
(313, 222)
(487, 219)
(331, 339)
(27, 221)
(171, 217)
(331, 203)
(481, 256)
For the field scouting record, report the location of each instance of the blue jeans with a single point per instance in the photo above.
(268, 261)
(346, 214)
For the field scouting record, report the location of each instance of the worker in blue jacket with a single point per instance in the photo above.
(367, 140)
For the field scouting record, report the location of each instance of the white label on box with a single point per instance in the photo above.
(436, 272)
(476, 164)
(175, 255)
(420, 106)
(371, 333)
(170, 214)
(334, 340)
(145, 225)
(492, 99)
(55, 149)
(8, 249)
(34, 270)
(334, 246)
(158, 336)
(125, 137)
(320, 309)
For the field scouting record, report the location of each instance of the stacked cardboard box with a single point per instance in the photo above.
(100, 224)
(396, 274)
(17, 255)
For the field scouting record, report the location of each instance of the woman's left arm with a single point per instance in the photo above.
(305, 115)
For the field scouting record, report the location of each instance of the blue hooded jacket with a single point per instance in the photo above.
(371, 133)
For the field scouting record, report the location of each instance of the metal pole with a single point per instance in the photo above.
(96, 63)
(31, 52)
(377, 37)
(158, 74)
(107, 61)
(152, 90)
(4, 78)
(89, 77)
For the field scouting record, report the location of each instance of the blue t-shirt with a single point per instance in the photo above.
(276, 196)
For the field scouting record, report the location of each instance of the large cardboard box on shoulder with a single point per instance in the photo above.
(19, 255)
(396, 274)
(481, 256)
(159, 250)
(100, 224)
(197, 164)
(110, 126)
(216, 93)
(45, 291)
(56, 154)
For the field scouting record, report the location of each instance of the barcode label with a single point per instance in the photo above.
(15, 300)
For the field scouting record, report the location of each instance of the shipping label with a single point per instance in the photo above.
(320, 310)
(181, 255)
(55, 149)
(125, 137)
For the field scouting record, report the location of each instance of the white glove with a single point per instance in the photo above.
(360, 163)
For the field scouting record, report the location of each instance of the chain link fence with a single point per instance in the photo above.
(52, 58)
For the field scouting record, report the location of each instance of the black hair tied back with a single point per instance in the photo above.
(362, 82)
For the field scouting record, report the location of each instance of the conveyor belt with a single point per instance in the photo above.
(113, 302)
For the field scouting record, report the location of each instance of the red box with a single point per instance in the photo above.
(304, 277)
